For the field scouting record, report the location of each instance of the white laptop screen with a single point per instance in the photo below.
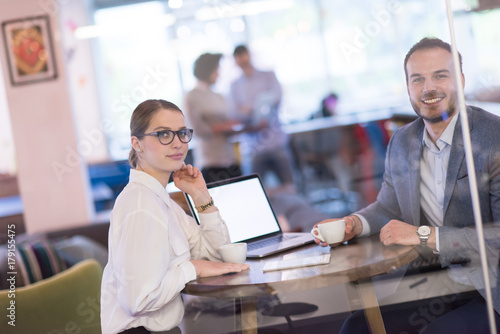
(244, 207)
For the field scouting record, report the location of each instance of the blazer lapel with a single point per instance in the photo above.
(457, 156)
(414, 161)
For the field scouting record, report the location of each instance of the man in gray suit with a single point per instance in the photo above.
(425, 197)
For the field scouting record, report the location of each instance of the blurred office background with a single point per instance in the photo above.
(315, 47)
(118, 53)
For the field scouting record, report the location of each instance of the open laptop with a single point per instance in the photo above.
(244, 206)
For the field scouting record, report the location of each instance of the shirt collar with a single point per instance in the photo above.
(446, 137)
(137, 176)
(254, 73)
(202, 85)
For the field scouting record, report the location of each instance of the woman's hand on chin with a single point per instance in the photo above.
(190, 180)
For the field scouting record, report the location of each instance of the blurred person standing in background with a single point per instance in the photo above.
(255, 99)
(208, 114)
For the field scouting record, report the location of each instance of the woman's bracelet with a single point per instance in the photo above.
(205, 206)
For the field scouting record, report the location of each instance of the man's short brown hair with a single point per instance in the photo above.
(429, 43)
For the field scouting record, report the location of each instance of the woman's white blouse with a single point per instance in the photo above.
(151, 240)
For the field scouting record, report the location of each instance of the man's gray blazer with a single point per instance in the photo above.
(399, 197)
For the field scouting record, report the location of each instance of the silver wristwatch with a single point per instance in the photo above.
(423, 233)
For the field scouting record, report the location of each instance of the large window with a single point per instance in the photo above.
(147, 50)
(486, 83)
(135, 61)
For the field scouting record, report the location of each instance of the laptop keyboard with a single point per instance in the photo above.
(270, 241)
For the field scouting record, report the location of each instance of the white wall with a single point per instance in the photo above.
(52, 177)
(7, 155)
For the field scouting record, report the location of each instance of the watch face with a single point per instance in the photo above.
(424, 230)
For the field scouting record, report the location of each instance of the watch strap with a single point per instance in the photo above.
(205, 206)
(423, 240)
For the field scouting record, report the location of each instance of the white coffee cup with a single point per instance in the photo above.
(235, 253)
(331, 232)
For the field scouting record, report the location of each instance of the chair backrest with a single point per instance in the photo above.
(68, 302)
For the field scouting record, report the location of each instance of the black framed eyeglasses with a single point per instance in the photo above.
(167, 136)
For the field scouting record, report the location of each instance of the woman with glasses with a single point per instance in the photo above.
(208, 113)
(155, 248)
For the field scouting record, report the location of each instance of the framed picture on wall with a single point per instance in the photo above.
(30, 54)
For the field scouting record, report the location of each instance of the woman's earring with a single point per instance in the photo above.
(138, 150)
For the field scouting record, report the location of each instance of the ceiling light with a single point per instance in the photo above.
(225, 10)
(175, 4)
(122, 28)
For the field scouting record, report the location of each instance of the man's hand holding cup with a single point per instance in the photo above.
(333, 232)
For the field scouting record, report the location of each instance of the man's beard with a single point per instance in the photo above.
(444, 115)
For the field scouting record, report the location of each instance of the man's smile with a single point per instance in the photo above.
(433, 100)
